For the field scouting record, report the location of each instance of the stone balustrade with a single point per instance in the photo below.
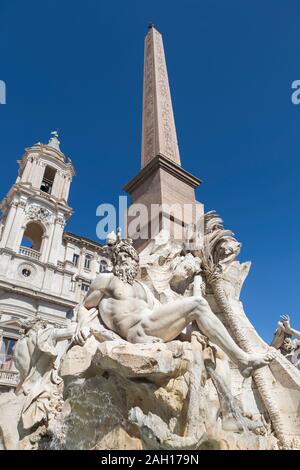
(9, 378)
(29, 252)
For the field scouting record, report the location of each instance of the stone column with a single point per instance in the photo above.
(27, 170)
(37, 174)
(16, 227)
(44, 248)
(48, 242)
(81, 260)
(8, 223)
(58, 184)
(56, 239)
(66, 188)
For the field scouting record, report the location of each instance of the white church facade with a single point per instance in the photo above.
(44, 270)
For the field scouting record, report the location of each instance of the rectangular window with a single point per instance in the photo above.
(87, 262)
(75, 260)
(103, 267)
(6, 353)
(85, 287)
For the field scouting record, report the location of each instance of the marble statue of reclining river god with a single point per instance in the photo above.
(160, 355)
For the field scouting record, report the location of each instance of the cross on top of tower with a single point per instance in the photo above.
(54, 141)
(54, 133)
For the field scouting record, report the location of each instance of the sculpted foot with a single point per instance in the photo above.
(256, 361)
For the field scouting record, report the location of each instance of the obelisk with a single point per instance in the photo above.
(161, 181)
(159, 132)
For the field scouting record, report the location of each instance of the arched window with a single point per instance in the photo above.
(103, 266)
(33, 236)
(48, 180)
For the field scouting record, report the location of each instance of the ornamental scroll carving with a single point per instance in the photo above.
(35, 212)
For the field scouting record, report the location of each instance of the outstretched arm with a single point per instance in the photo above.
(88, 310)
(93, 296)
(285, 319)
(61, 334)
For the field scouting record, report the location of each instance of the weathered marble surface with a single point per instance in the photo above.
(90, 386)
(163, 394)
(153, 396)
(287, 341)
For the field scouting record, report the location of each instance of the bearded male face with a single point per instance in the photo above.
(125, 267)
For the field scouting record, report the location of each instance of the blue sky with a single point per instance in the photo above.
(77, 66)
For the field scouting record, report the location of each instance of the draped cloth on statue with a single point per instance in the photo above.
(37, 353)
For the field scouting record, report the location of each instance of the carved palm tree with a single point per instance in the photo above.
(213, 261)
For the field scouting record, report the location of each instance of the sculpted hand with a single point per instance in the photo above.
(81, 335)
(285, 323)
(85, 316)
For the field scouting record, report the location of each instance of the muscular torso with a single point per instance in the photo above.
(123, 306)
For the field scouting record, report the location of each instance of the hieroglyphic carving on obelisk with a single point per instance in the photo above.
(159, 132)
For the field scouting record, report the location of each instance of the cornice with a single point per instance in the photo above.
(83, 241)
(28, 190)
(164, 163)
(36, 294)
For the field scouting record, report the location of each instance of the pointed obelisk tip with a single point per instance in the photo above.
(151, 25)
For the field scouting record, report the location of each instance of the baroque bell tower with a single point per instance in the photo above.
(35, 211)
